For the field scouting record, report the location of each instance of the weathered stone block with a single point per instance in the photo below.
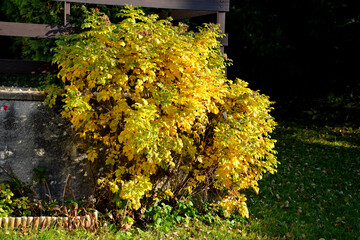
(34, 136)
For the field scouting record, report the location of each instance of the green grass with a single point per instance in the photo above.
(227, 229)
(314, 195)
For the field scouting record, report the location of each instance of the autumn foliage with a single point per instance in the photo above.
(154, 99)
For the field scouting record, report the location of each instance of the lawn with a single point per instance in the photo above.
(314, 195)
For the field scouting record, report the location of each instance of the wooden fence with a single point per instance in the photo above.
(180, 9)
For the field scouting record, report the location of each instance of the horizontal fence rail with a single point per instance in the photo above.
(181, 14)
(35, 30)
(204, 5)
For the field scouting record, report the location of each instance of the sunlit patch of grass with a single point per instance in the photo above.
(330, 136)
(194, 229)
(46, 234)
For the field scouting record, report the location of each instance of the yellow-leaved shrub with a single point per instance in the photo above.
(156, 98)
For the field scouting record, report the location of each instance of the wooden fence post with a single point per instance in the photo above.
(66, 13)
(220, 19)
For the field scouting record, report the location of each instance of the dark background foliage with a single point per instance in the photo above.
(302, 53)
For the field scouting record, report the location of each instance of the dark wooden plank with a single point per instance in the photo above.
(31, 67)
(181, 14)
(203, 5)
(34, 30)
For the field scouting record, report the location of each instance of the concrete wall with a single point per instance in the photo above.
(31, 136)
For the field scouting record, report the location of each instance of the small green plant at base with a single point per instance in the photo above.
(9, 205)
(165, 216)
